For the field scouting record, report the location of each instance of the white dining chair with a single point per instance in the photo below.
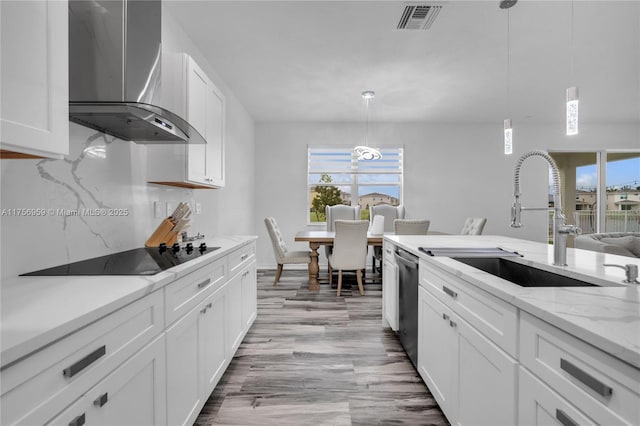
(349, 250)
(339, 212)
(282, 254)
(411, 226)
(390, 213)
(473, 226)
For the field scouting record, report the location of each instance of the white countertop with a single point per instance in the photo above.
(607, 317)
(37, 311)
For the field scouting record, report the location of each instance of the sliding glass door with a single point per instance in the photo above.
(601, 190)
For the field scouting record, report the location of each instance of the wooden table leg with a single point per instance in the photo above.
(314, 269)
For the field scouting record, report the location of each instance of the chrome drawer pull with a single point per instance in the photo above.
(452, 324)
(210, 304)
(565, 419)
(84, 362)
(585, 378)
(244, 257)
(101, 400)
(445, 317)
(78, 421)
(449, 291)
(204, 283)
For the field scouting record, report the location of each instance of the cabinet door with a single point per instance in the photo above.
(539, 405)
(197, 95)
(184, 381)
(249, 296)
(487, 379)
(215, 137)
(235, 327)
(213, 340)
(134, 394)
(437, 351)
(34, 77)
(390, 294)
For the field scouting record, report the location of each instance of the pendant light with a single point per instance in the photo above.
(365, 152)
(572, 92)
(508, 128)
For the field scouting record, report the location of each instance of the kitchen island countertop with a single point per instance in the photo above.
(37, 311)
(606, 316)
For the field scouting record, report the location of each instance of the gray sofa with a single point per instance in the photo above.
(620, 243)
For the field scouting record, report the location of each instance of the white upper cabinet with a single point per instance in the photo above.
(189, 92)
(34, 114)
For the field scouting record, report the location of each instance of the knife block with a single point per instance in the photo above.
(164, 233)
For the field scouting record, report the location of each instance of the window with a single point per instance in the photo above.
(335, 176)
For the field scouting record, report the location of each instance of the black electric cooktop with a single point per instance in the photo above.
(139, 261)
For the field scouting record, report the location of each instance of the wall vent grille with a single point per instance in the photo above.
(418, 16)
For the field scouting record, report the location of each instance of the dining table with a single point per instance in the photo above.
(322, 238)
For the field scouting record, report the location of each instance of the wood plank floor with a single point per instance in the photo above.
(312, 358)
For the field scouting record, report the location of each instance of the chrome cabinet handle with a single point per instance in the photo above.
(209, 305)
(244, 257)
(565, 419)
(452, 324)
(445, 317)
(585, 378)
(77, 367)
(204, 283)
(203, 310)
(101, 400)
(449, 291)
(78, 421)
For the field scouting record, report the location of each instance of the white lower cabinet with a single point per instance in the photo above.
(196, 358)
(134, 394)
(235, 324)
(538, 405)
(472, 379)
(389, 287)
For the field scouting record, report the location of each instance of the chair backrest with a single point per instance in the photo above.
(279, 247)
(340, 212)
(350, 244)
(389, 212)
(473, 226)
(411, 226)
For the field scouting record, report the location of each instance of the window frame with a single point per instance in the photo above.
(353, 172)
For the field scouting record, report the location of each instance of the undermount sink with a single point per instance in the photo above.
(522, 275)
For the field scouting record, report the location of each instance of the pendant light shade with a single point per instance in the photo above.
(365, 152)
(572, 111)
(508, 137)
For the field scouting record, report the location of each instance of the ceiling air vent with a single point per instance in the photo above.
(418, 16)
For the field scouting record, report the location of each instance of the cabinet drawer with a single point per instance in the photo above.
(183, 294)
(603, 387)
(239, 258)
(37, 387)
(494, 318)
(539, 405)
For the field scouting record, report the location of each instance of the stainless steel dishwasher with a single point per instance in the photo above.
(408, 303)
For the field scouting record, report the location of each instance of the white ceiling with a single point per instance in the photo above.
(310, 60)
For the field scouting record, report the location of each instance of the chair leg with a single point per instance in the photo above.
(359, 276)
(330, 276)
(339, 281)
(278, 273)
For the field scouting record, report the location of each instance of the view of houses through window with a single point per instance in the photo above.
(336, 176)
(605, 187)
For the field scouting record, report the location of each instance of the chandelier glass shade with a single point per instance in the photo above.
(366, 152)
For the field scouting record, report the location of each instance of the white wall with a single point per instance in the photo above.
(451, 171)
(117, 181)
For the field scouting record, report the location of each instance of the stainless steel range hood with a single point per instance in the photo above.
(114, 72)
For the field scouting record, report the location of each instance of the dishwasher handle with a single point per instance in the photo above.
(409, 263)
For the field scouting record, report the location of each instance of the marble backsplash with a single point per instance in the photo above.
(94, 202)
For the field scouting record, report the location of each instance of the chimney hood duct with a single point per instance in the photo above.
(114, 72)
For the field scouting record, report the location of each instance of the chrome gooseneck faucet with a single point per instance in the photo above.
(560, 228)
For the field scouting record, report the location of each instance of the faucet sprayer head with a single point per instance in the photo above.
(516, 210)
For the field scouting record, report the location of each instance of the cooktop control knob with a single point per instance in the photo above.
(189, 248)
(162, 247)
(175, 248)
(202, 248)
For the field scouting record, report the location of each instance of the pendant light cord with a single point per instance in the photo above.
(508, 64)
(572, 44)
